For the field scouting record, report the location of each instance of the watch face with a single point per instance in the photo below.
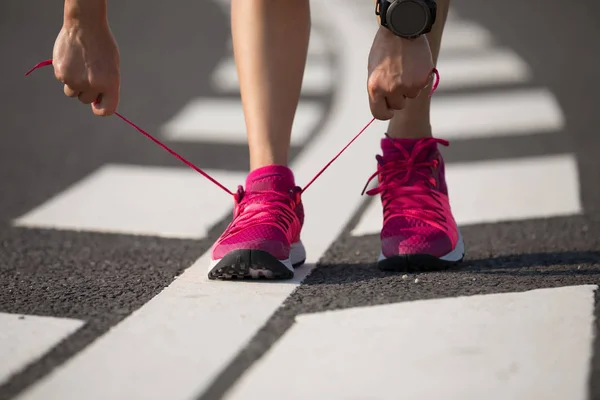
(408, 17)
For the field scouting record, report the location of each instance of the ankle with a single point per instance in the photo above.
(264, 157)
(412, 122)
(408, 130)
(405, 126)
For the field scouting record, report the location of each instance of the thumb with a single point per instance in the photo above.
(106, 104)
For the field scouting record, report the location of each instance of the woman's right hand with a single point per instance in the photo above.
(86, 60)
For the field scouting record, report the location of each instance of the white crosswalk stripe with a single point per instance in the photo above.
(222, 121)
(25, 338)
(487, 114)
(157, 201)
(521, 346)
(480, 68)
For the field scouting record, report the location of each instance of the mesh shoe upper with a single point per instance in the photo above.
(417, 218)
(268, 215)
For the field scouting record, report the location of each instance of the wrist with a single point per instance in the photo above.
(389, 35)
(77, 12)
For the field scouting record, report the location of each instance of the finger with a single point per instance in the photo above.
(396, 101)
(69, 91)
(107, 103)
(380, 109)
(88, 97)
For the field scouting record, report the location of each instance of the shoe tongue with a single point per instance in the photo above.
(391, 149)
(272, 177)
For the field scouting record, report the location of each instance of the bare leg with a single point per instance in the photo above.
(413, 121)
(270, 42)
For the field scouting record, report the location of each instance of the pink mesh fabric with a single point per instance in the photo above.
(268, 215)
(417, 218)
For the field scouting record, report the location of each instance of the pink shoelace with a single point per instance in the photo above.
(210, 178)
(407, 186)
(259, 213)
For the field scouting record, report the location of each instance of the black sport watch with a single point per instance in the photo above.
(407, 18)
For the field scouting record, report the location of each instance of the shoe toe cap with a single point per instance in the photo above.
(400, 237)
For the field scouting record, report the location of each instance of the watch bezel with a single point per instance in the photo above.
(385, 12)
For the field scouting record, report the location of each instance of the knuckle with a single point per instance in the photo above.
(59, 71)
(67, 78)
(60, 76)
(372, 88)
(373, 84)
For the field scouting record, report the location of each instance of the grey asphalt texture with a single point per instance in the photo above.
(49, 142)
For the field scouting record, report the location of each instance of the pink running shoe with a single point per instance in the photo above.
(263, 240)
(419, 232)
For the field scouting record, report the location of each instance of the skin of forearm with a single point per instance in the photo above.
(84, 11)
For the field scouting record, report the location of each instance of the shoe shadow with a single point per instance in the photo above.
(557, 264)
(570, 262)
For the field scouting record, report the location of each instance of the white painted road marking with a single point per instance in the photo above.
(222, 121)
(464, 36)
(496, 191)
(25, 338)
(518, 346)
(175, 345)
(318, 77)
(489, 67)
(508, 112)
(173, 202)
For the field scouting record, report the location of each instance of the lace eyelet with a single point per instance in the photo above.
(295, 193)
(239, 194)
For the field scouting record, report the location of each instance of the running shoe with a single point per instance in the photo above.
(419, 232)
(263, 239)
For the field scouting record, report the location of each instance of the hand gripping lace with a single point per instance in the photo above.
(434, 72)
(407, 186)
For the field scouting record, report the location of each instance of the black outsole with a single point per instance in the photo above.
(250, 264)
(415, 263)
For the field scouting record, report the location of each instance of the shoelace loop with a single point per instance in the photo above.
(255, 210)
(402, 199)
(210, 178)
